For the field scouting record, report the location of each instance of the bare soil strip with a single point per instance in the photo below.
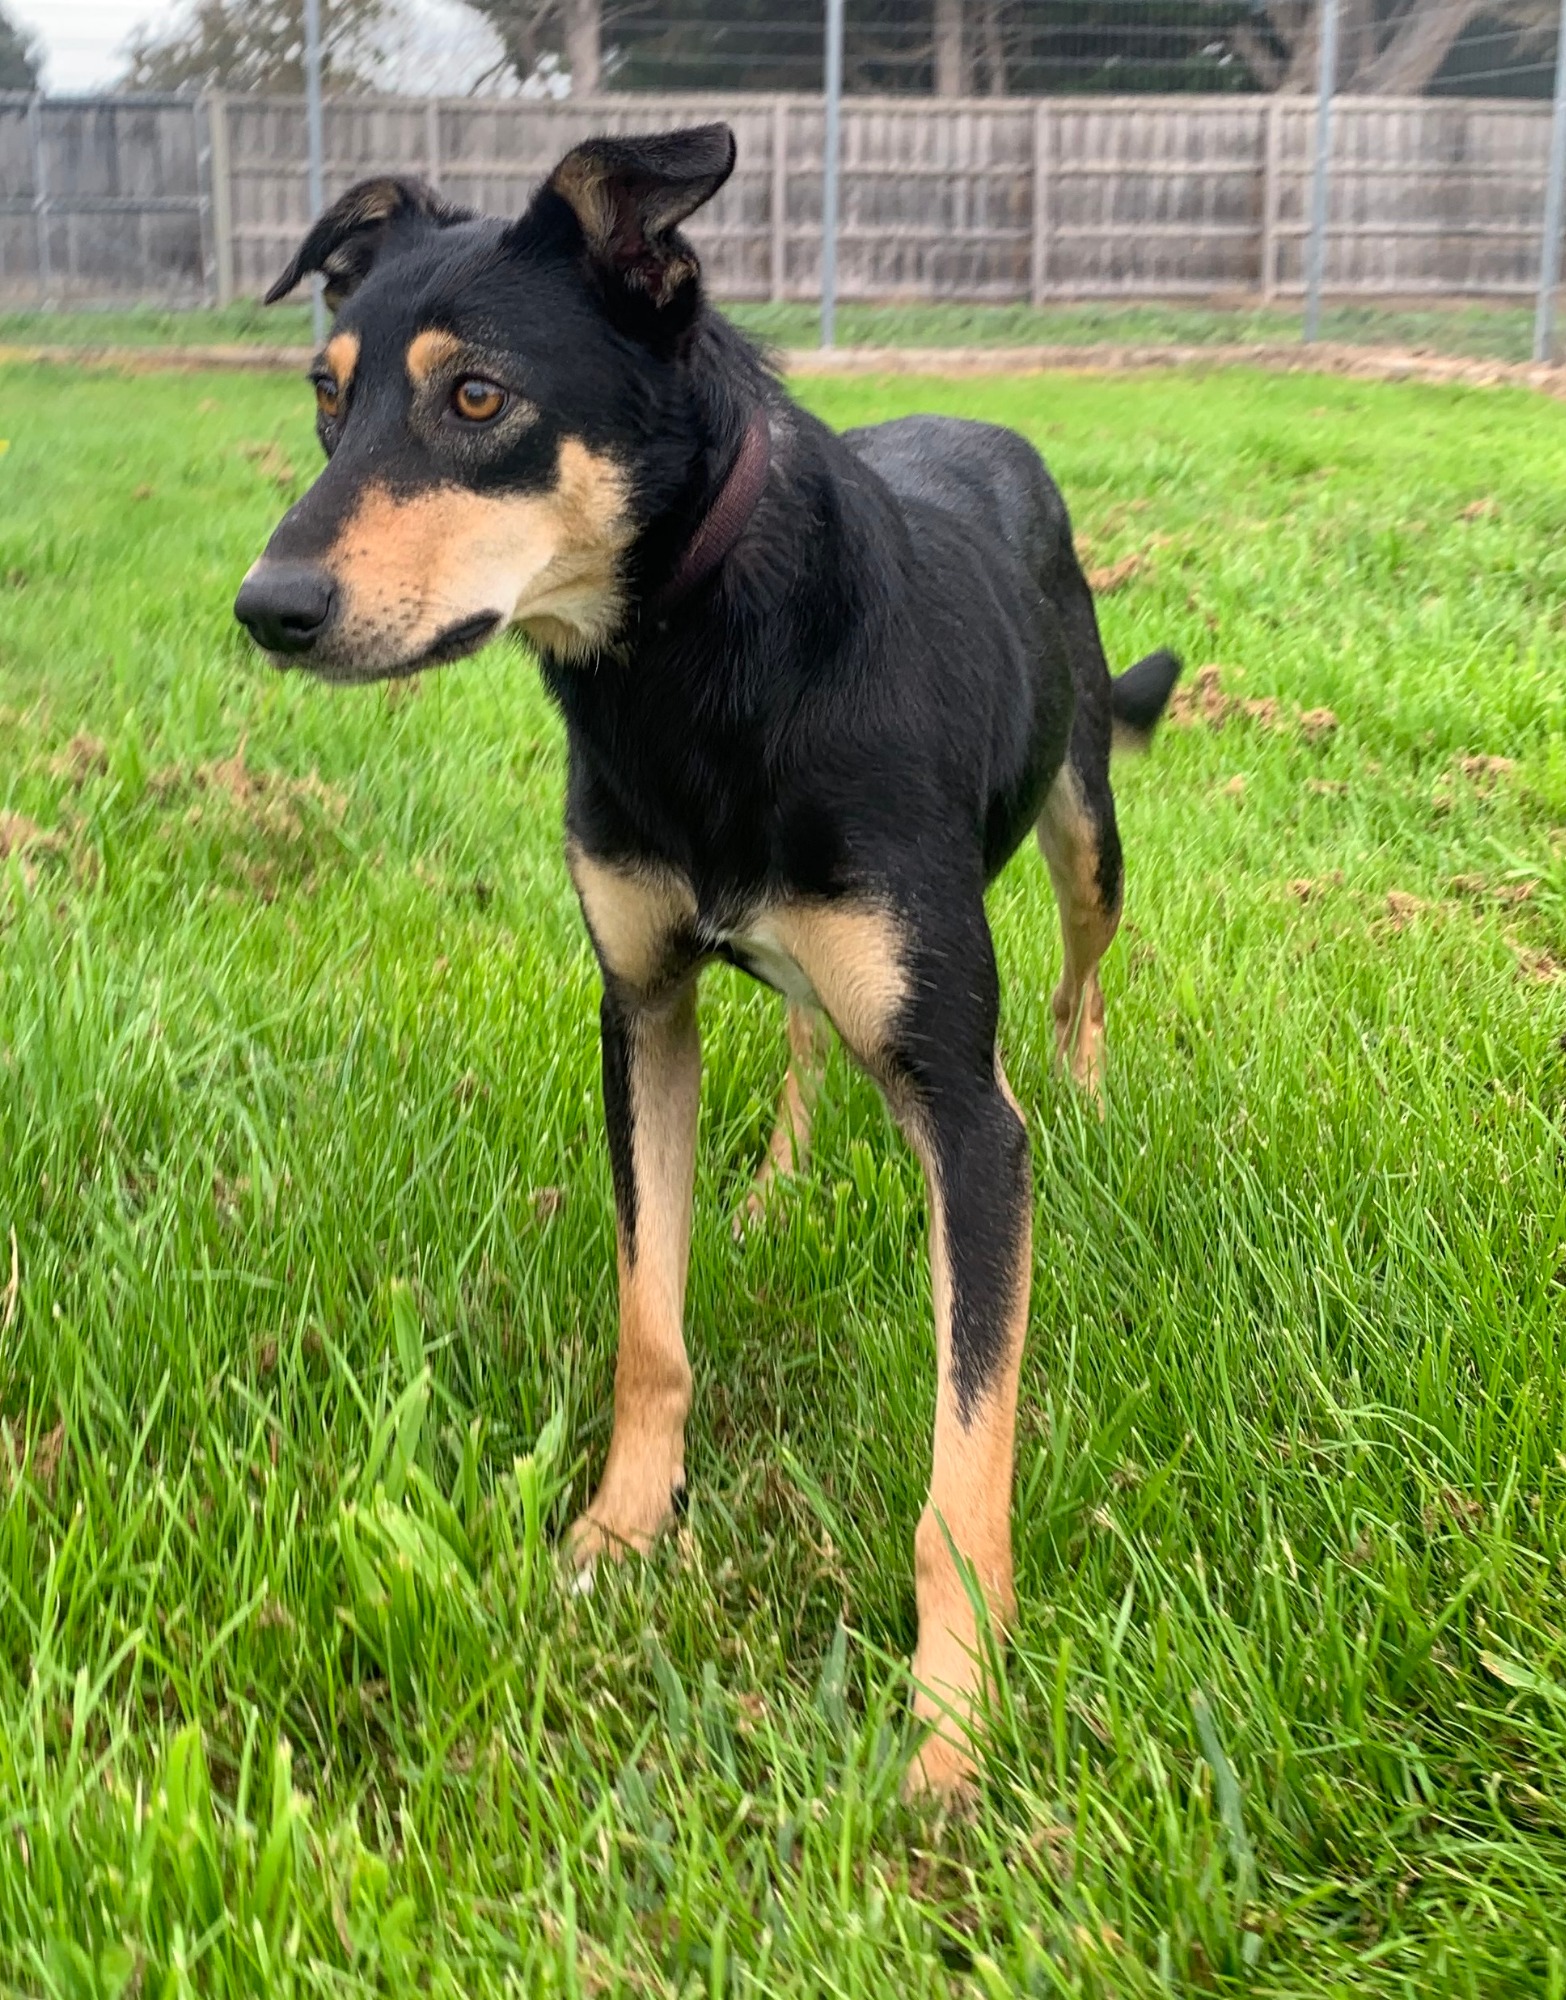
(1369, 364)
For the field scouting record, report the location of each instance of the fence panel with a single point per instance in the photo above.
(484, 155)
(176, 200)
(1155, 196)
(110, 192)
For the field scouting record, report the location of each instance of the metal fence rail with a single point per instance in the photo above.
(1011, 199)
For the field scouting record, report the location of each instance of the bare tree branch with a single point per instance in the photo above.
(1418, 47)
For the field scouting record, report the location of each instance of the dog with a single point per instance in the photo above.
(816, 691)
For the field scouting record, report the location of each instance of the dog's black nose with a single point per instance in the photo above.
(285, 606)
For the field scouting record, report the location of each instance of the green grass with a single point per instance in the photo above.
(1487, 331)
(308, 1358)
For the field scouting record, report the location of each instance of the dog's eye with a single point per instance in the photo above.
(477, 401)
(328, 397)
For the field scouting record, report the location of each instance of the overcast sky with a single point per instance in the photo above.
(82, 39)
(442, 46)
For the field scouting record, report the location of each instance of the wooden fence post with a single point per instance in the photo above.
(1039, 280)
(220, 172)
(1271, 196)
(432, 141)
(35, 144)
(779, 199)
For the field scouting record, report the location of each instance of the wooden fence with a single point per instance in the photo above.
(183, 200)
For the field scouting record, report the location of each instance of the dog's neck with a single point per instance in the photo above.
(725, 520)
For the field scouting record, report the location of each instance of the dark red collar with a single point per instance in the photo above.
(725, 520)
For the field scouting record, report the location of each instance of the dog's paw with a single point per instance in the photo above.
(752, 1212)
(941, 1774)
(609, 1532)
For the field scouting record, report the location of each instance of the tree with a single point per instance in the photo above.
(253, 45)
(968, 47)
(1393, 48)
(540, 35)
(20, 63)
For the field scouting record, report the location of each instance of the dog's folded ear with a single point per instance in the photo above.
(344, 241)
(629, 197)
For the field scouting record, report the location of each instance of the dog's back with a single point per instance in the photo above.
(991, 477)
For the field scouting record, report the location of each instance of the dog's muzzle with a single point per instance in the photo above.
(286, 607)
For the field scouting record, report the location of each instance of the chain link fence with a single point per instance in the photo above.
(1007, 168)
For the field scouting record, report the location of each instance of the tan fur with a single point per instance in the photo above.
(1070, 847)
(411, 566)
(341, 355)
(854, 957)
(788, 1150)
(652, 1382)
(579, 179)
(968, 1511)
(635, 915)
(429, 352)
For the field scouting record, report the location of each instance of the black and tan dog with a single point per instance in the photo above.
(816, 691)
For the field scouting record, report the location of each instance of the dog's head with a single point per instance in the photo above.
(501, 407)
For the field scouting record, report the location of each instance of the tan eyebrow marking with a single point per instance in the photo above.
(342, 357)
(429, 351)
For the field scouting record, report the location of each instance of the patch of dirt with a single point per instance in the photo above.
(1335, 788)
(241, 807)
(30, 842)
(1461, 1509)
(1115, 576)
(1304, 890)
(1402, 908)
(1203, 700)
(1483, 772)
(44, 1467)
(271, 461)
(1235, 788)
(270, 801)
(1534, 963)
(1477, 889)
(1480, 510)
(1316, 723)
(82, 758)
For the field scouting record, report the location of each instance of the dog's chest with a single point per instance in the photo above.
(648, 923)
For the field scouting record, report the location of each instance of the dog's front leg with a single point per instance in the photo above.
(652, 1082)
(974, 1148)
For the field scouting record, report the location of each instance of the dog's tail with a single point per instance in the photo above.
(1139, 696)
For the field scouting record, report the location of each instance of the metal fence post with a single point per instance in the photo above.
(316, 143)
(829, 169)
(219, 174)
(1316, 248)
(35, 145)
(1554, 202)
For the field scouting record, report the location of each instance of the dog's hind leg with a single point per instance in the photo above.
(788, 1150)
(1081, 844)
(652, 1084)
(918, 1009)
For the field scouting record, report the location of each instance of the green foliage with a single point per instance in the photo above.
(252, 45)
(20, 67)
(307, 1357)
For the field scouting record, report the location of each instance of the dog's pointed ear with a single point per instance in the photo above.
(344, 242)
(629, 197)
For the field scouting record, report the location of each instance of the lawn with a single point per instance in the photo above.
(306, 1285)
(1486, 330)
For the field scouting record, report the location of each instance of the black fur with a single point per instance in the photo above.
(869, 699)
